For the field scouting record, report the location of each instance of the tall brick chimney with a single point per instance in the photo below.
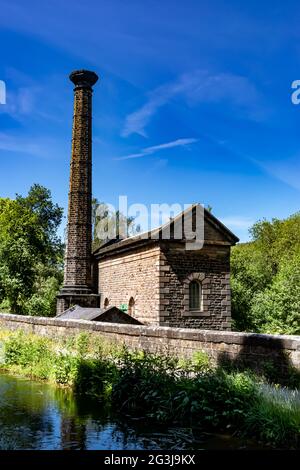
(78, 283)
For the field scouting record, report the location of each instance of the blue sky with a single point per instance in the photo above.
(193, 104)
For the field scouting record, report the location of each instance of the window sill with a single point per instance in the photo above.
(195, 313)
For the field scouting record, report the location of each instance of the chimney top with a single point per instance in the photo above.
(83, 78)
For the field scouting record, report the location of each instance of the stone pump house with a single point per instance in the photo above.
(165, 281)
(174, 280)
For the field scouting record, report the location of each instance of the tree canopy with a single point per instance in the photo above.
(30, 251)
(265, 278)
(108, 224)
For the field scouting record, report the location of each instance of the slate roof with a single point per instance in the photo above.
(80, 313)
(111, 314)
(154, 235)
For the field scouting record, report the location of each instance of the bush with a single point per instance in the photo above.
(25, 351)
(277, 309)
(95, 378)
(206, 396)
(43, 302)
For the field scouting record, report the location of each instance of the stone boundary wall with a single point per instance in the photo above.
(248, 348)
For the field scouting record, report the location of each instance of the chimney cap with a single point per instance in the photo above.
(83, 78)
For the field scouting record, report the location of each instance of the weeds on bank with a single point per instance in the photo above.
(158, 387)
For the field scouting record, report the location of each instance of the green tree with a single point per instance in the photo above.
(250, 274)
(265, 278)
(277, 309)
(30, 251)
(107, 223)
(49, 217)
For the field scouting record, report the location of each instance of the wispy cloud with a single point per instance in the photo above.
(287, 170)
(20, 103)
(240, 225)
(237, 222)
(30, 99)
(26, 145)
(196, 87)
(156, 148)
(22, 94)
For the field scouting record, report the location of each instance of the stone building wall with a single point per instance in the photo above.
(250, 349)
(211, 267)
(157, 278)
(132, 275)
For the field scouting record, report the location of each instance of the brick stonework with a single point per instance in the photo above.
(157, 277)
(210, 266)
(78, 281)
(156, 272)
(250, 349)
(133, 275)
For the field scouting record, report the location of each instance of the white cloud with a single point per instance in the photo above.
(29, 99)
(19, 103)
(157, 148)
(287, 171)
(25, 145)
(197, 87)
(237, 222)
(239, 225)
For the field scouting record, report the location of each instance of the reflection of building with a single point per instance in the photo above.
(156, 280)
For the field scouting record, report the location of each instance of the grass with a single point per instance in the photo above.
(160, 388)
(274, 421)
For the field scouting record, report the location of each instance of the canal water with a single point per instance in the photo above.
(35, 415)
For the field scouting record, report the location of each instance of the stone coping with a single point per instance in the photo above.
(164, 332)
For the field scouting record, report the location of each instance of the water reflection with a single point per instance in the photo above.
(35, 415)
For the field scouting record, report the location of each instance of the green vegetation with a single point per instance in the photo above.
(108, 224)
(30, 253)
(265, 272)
(266, 278)
(160, 388)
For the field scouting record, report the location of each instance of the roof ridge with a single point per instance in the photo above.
(140, 236)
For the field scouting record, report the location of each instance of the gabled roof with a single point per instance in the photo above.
(152, 236)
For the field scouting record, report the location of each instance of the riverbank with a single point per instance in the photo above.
(36, 415)
(161, 389)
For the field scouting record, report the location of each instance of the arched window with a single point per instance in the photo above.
(194, 295)
(131, 306)
(106, 303)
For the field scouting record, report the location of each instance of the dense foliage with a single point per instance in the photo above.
(266, 278)
(162, 389)
(30, 253)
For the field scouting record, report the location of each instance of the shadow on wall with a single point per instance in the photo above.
(270, 360)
